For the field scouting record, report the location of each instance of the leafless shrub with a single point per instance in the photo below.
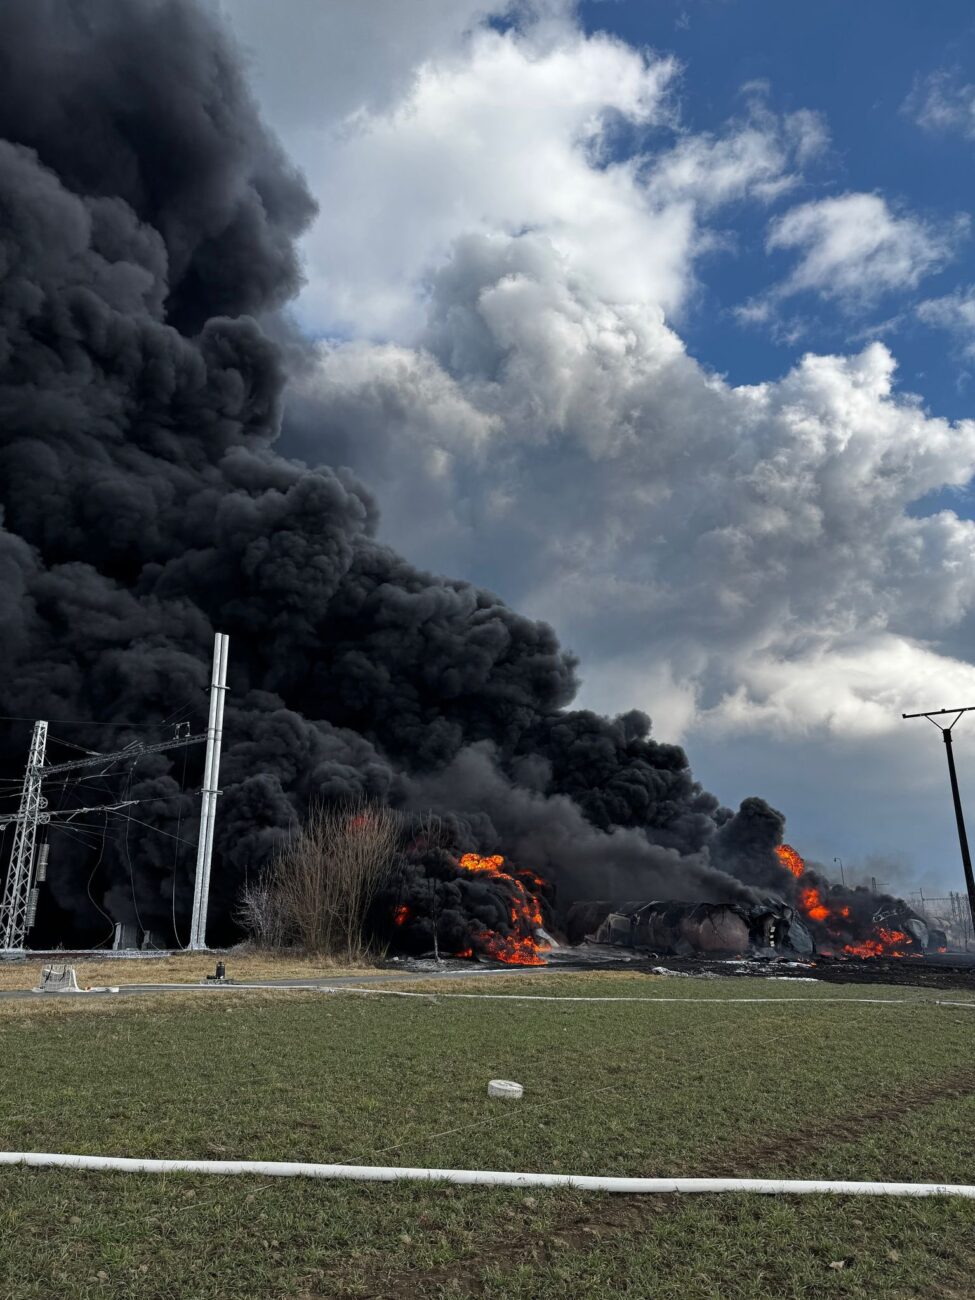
(258, 913)
(319, 888)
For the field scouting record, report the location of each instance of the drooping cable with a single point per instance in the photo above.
(91, 898)
(128, 859)
(148, 825)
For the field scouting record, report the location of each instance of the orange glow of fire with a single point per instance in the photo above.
(521, 948)
(883, 943)
(791, 860)
(812, 904)
(401, 915)
(887, 943)
(474, 862)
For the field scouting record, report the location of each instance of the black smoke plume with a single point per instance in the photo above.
(147, 225)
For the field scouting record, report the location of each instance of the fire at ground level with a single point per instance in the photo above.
(819, 919)
(770, 928)
(946, 972)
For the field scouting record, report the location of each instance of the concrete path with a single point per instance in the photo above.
(337, 981)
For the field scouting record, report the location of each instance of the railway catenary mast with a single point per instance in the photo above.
(19, 902)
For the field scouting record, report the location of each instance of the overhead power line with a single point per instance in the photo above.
(158, 830)
(87, 722)
(134, 751)
(19, 900)
(966, 858)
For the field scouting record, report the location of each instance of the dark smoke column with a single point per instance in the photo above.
(147, 226)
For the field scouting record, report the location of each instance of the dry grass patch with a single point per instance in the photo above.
(182, 968)
(155, 1006)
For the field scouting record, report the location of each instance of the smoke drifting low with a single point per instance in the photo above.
(147, 220)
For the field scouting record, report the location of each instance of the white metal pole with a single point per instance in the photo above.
(211, 772)
(214, 787)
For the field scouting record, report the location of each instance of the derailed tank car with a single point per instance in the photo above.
(770, 928)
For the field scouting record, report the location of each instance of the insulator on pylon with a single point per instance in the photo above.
(42, 856)
(32, 907)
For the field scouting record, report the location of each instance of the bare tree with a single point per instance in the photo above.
(323, 882)
(259, 914)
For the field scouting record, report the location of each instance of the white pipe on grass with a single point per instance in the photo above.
(481, 1177)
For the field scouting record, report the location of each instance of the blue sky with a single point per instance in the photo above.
(856, 63)
(657, 319)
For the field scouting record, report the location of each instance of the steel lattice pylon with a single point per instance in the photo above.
(20, 874)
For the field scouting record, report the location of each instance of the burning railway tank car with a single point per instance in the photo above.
(819, 918)
(442, 907)
(768, 928)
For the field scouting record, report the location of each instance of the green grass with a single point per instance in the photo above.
(831, 1090)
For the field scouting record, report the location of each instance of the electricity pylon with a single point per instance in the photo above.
(20, 891)
(20, 877)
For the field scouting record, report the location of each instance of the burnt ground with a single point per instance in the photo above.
(937, 971)
(918, 972)
(943, 971)
(914, 972)
(949, 971)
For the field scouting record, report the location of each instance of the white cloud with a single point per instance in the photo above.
(321, 60)
(752, 159)
(941, 102)
(954, 312)
(431, 125)
(505, 136)
(530, 419)
(854, 248)
(861, 688)
(749, 551)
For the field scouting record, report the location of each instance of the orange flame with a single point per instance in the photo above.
(521, 948)
(888, 943)
(401, 915)
(812, 904)
(884, 943)
(791, 860)
(474, 862)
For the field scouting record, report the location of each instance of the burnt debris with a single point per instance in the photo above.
(769, 928)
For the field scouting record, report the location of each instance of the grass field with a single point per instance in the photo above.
(838, 1090)
(177, 968)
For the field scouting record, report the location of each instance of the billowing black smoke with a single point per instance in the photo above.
(147, 219)
(746, 845)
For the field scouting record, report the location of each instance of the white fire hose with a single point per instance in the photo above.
(481, 1177)
(504, 1178)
